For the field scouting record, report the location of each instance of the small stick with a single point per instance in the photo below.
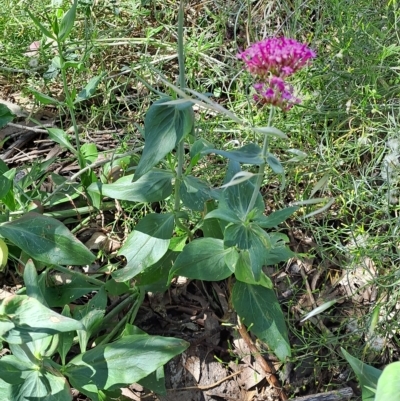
(267, 367)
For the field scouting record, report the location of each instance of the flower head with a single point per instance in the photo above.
(277, 92)
(271, 61)
(280, 57)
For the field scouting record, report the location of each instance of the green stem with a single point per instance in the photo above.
(70, 104)
(182, 84)
(261, 168)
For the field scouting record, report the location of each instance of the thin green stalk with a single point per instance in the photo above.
(70, 105)
(182, 84)
(261, 168)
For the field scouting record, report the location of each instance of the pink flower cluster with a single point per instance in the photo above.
(271, 61)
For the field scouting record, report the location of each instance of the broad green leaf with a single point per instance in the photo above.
(42, 385)
(275, 218)
(155, 381)
(66, 339)
(259, 310)
(5, 390)
(91, 316)
(367, 376)
(89, 152)
(252, 238)
(223, 214)
(61, 137)
(236, 199)
(248, 154)
(244, 272)
(195, 192)
(165, 126)
(46, 240)
(59, 295)
(67, 22)
(6, 116)
(42, 98)
(14, 370)
(203, 259)
(155, 277)
(31, 283)
(89, 90)
(389, 384)
(32, 320)
(146, 244)
(275, 164)
(122, 362)
(152, 187)
(212, 227)
(279, 251)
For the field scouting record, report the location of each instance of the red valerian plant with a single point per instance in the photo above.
(271, 61)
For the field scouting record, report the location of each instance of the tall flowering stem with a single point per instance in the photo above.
(271, 61)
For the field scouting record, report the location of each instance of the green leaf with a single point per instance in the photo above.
(42, 28)
(76, 287)
(235, 199)
(5, 391)
(31, 282)
(165, 126)
(61, 137)
(244, 272)
(91, 315)
(212, 227)
(275, 218)
(155, 381)
(42, 98)
(367, 376)
(66, 339)
(195, 192)
(389, 384)
(203, 259)
(248, 154)
(89, 152)
(6, 116)
(89, 90)
(272, 131)
(122, 362)
(14, 370)
(278, 252)
(275, 164)
(156, 277)
(46, 240)
(259, 310)
(42, 385)
(152, 187)
(67, 22)
(146, 245)
(31, 320)
(252, 238)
